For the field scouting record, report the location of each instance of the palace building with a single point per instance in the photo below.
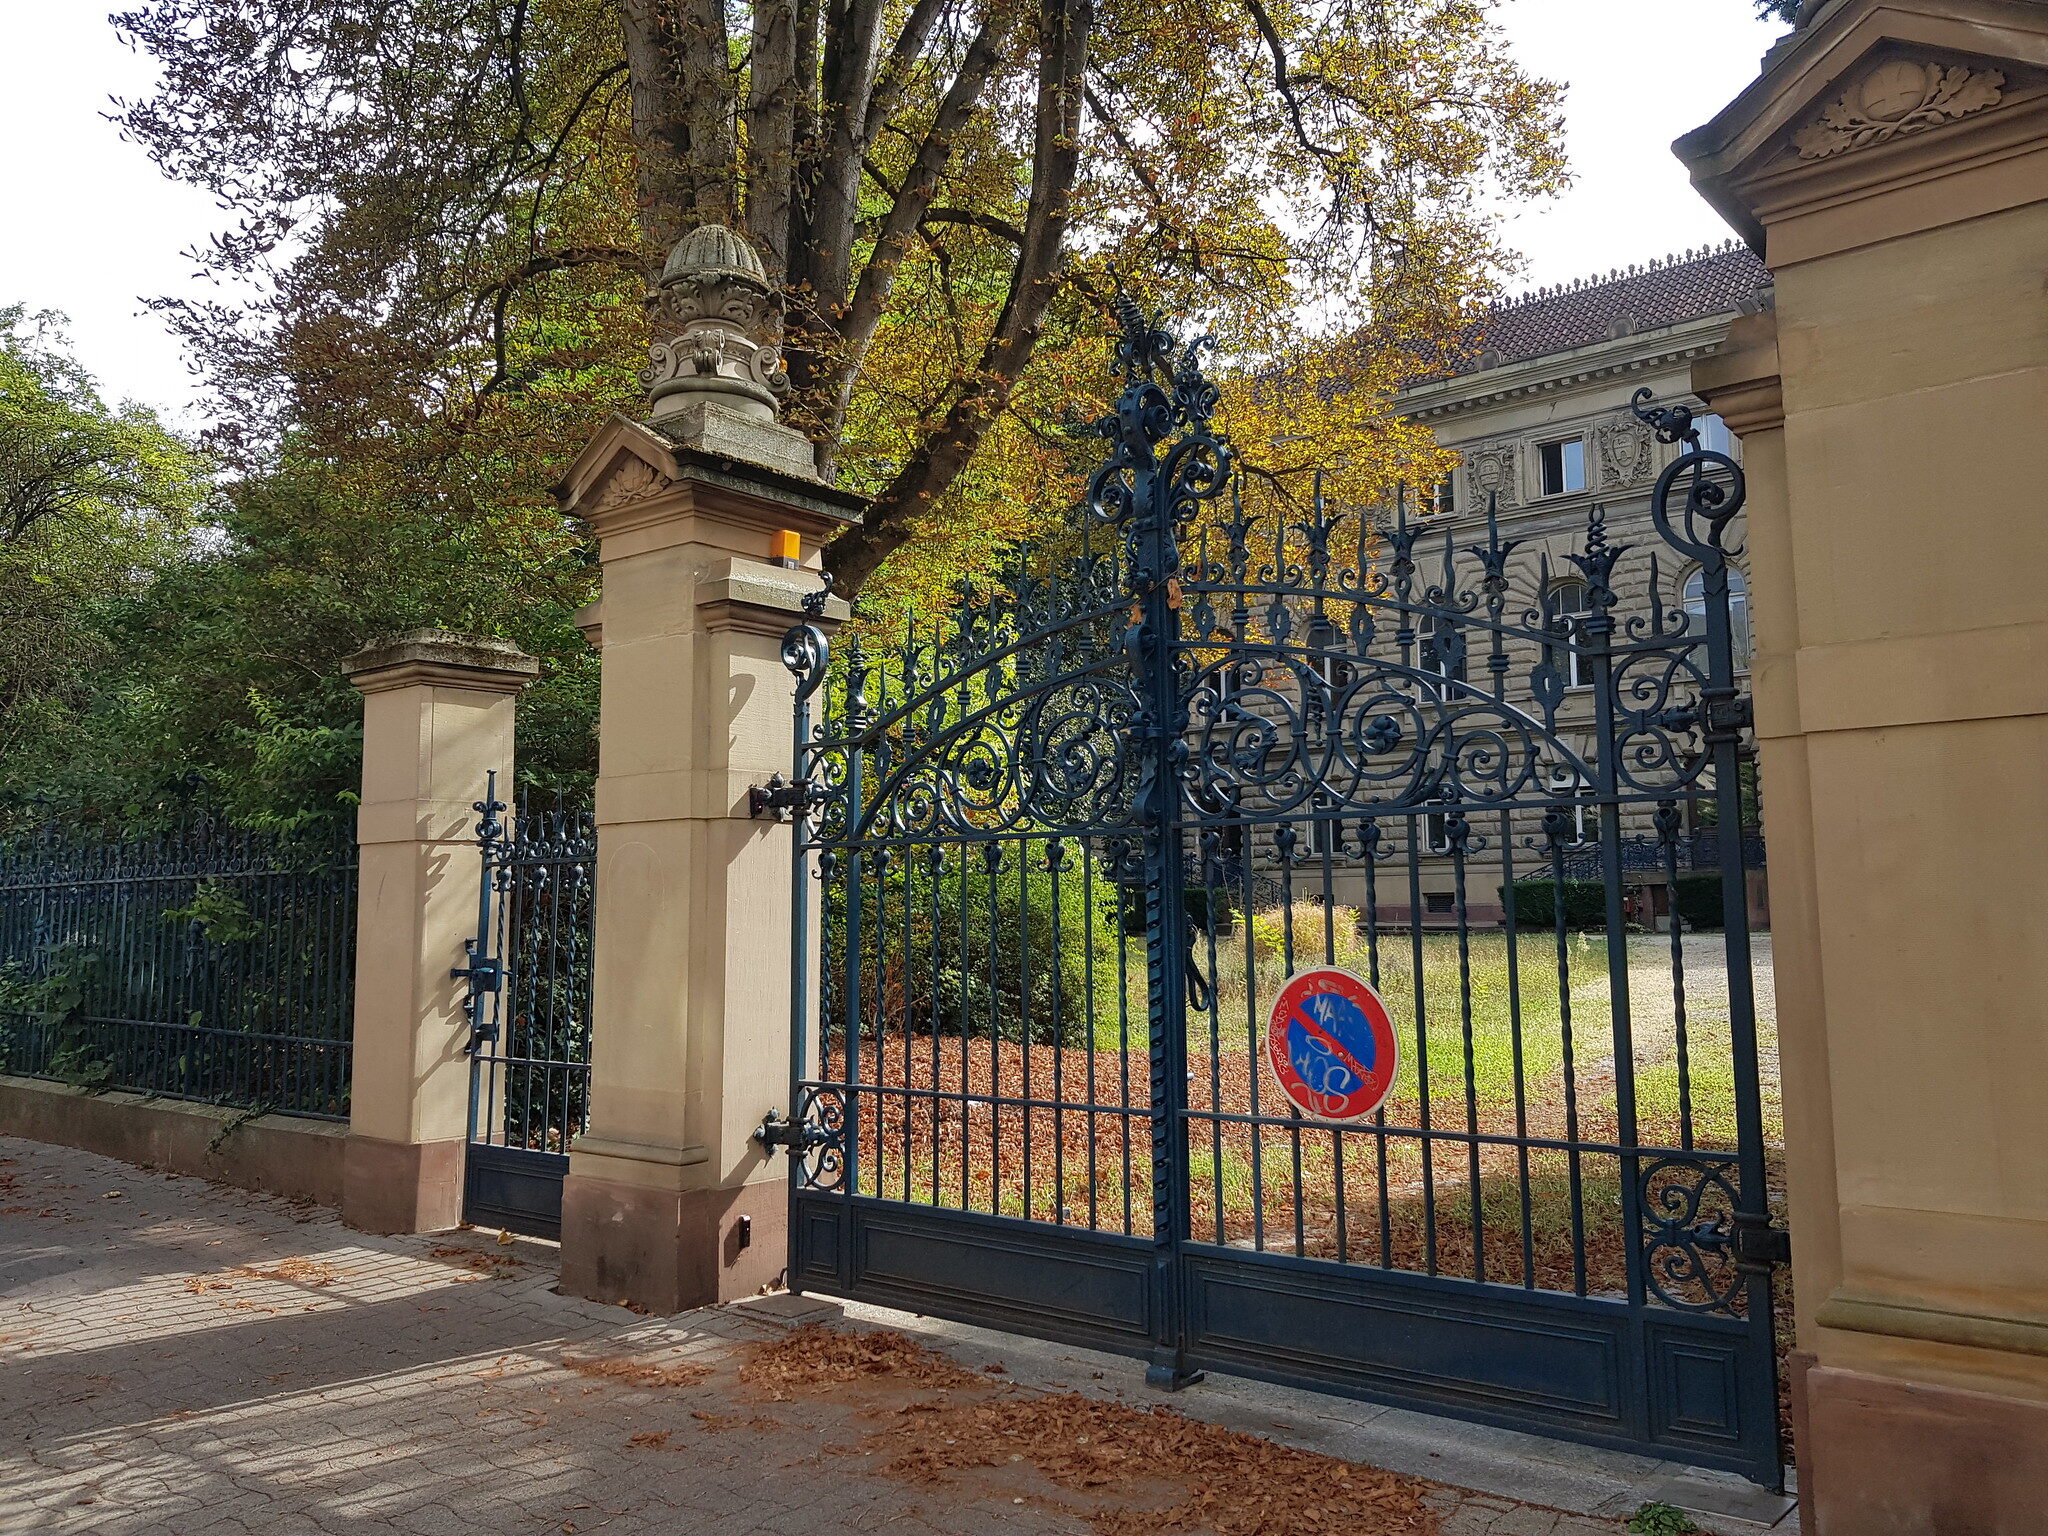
(1541, 419)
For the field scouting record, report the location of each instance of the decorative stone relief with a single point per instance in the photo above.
(1624, 450)
(1897, 98)
(630, 480)
(715, 289)
(1490, 471)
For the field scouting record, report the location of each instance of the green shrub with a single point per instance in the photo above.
(1699, 901)
(1661, 1520)
(1585, 903)
(1011, 953)
(51, 993)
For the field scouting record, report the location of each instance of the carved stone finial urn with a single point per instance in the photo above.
(716, 292)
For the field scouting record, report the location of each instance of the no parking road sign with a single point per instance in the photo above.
(1331, 1044)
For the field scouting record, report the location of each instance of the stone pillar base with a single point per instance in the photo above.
(666, 1250)
(1891, 1458)
(401, 1186)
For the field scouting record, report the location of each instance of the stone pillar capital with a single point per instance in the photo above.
(1741, 382)
(639, 487)
(1878, 118)
(440, 658)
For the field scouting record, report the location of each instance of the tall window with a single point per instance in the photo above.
(1563, 466)
(1738, 611)
(1444, 498)
(1569, 600)
(1714, 434)
(1433, 658)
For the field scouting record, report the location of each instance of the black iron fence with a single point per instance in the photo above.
(1697, 852)
(205, 963)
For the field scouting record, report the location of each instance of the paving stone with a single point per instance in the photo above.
(146, 1365)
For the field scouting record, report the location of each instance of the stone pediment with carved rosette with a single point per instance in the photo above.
(1896, 98)
(630, 479)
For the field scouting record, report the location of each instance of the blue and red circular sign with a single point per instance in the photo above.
(1331, 1044)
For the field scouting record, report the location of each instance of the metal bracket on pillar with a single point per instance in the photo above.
(798, 1136)
(779, 799)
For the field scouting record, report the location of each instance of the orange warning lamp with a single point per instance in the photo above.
(785, 547)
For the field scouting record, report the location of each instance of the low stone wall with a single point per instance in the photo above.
(276, 1154)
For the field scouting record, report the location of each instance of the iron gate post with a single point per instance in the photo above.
(1155, 579)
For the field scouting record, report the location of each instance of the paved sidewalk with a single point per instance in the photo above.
(180, 1358)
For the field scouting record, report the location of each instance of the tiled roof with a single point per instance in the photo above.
(1682, 287)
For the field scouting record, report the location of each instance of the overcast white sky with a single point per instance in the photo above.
(93, 226)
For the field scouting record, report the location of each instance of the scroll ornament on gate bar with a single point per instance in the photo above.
(1901, 97)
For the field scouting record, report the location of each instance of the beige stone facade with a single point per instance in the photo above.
(1892, 164)
(1543, 424)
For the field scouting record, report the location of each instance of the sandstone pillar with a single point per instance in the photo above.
(668, 1203)
(1892, 165)
(437, 717)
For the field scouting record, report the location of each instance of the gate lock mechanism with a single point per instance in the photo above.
(1749, 1239)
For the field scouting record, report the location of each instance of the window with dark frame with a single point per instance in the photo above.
(1714, 434)
(1432, 658)
(1562, 466)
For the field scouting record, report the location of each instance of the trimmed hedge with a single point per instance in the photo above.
(1585, 903)
(1699, 901)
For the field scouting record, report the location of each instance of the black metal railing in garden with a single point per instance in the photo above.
(205, 962)
(1684, 853)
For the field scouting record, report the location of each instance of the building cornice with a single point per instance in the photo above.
(1615, 357)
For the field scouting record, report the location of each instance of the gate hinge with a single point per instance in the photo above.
(779, 798)
(1761, 1245)
(483, 975)
(777, 1130)
(1730, 715)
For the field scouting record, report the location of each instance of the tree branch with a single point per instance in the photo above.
(1055, 162)
(1283, 80)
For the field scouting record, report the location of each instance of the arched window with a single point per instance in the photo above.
(1569, 600)
(1738, 611)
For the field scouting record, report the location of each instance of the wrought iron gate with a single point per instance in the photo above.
(1056, 853)
(529, 1011)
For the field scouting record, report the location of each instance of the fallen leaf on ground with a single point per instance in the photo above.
(815, 1355)
(638, 1373)
(1214, 1480)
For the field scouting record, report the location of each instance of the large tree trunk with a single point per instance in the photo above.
(660, 141)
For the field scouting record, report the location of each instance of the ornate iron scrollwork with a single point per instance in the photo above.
(1700, 1244)
(815, 1138)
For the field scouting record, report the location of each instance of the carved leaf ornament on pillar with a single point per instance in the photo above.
(1901, 97)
